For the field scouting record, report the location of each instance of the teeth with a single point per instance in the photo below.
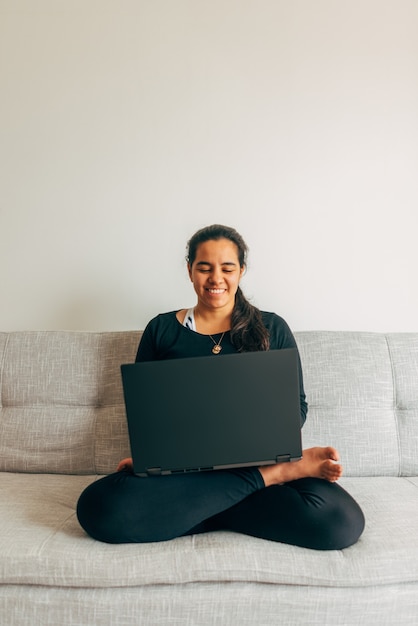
(216, 290)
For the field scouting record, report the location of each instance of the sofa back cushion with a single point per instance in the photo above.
(62, 409)
(362, 390)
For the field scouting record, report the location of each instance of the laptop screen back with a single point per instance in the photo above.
(213, 412)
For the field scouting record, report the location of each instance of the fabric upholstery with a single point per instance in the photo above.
(41, 543)
(63, 425)
(210, 604)
(62, 407)
(362, 390)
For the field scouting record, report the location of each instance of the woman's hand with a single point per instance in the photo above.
(125, 465)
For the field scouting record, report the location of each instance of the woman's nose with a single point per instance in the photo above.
(216, 277)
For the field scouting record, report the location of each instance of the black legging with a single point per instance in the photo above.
(313, 513)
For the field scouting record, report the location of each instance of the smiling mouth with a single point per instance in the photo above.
(216, 291)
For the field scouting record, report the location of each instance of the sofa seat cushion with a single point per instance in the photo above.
(41, 543)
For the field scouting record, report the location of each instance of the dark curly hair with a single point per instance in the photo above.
(248, 333)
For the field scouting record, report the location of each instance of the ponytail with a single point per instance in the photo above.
(248, 333)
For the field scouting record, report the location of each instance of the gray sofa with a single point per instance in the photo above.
(62, 425)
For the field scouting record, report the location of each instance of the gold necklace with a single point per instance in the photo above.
(217, 347)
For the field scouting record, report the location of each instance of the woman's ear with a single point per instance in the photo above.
(189, 269)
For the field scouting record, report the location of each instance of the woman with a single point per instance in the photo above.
(297, 503)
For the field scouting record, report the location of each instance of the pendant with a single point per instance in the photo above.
(217, 347)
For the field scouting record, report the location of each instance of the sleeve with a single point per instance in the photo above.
(281, 337)
(147, 350)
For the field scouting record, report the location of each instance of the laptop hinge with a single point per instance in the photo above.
(283, 458)
(153, 471)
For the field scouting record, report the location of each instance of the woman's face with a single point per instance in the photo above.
(215, 274)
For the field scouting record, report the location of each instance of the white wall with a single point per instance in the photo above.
(127, 124)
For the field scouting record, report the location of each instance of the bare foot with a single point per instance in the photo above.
(316, 463)
(125, 465)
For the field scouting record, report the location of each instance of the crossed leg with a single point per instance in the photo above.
(271, 502)
(310, 513)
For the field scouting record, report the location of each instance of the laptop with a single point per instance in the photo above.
(207, 413)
